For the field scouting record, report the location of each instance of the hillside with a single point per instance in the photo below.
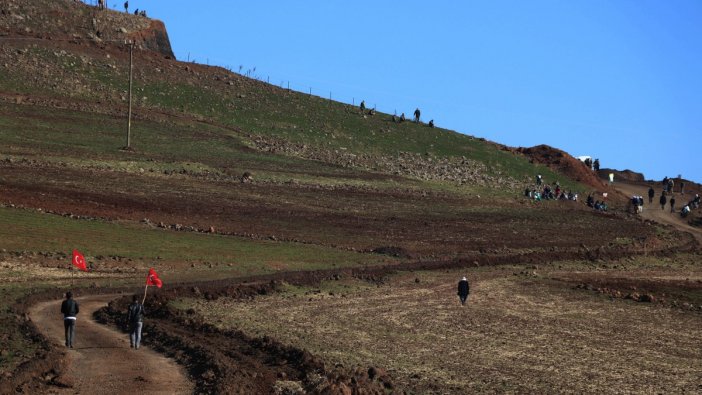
(90, 74)
(291, 232)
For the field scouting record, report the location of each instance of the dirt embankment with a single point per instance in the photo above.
(563, 163)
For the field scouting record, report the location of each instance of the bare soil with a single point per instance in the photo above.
(524, 331)
(102, 360)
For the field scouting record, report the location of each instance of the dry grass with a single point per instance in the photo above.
(518, 334)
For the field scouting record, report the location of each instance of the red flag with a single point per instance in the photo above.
(79, 261)
(152, 278)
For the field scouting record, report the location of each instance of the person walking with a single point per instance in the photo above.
(672, 203)
(662, 201)
(417, 114)
(651, 193)
(682, 188)
(463, 290)
(69, 309)
(135, 319)
(126, 6)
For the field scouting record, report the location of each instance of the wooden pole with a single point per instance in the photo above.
(146, 287)
(129, 115)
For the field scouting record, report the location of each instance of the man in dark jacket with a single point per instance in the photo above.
(672, 204)
(651, 193)
(463, 290)
(663, 201)
(69, 309)
(135, 319)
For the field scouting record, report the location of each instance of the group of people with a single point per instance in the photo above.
(692, 204)
(136, 12)
(596, 204)
(135, 320)
(548, 192)
(637, 203)
(668, 197)
(395, 118)
(668, 185)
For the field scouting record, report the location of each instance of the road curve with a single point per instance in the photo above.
(102, 361)
(654, 212)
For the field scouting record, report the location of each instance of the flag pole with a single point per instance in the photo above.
(146, 287)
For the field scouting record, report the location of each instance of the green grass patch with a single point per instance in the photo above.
(32, 231)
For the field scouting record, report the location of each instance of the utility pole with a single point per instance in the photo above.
(129, 115)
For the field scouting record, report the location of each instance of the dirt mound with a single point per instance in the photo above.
(77, 21)
(563, 163)
(621, 175)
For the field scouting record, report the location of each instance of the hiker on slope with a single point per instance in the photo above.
(463, 290)
(135, 319)
(69, 309)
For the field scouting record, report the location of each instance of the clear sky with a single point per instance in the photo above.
(620, 80)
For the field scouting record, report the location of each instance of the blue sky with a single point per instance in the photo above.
(620, 80)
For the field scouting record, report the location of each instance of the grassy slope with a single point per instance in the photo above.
(251, 106)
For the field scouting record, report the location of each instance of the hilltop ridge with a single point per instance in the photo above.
(79, 22)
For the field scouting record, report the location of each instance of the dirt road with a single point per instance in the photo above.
(653, 210)
(102, 361)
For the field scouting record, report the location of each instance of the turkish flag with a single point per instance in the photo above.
(152, 278)
(79, 261)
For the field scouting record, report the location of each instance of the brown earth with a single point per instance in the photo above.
(563, 163)
(310, 214)
(664, 216)
(101, 360)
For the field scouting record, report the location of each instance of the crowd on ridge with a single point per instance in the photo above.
(542, 191)
(395, 118)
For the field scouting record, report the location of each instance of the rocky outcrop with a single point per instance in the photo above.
(563, 163)
(82, 23)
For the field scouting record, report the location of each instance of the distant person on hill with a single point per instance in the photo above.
(539, 180)
(362, 106)
(417, 114)
(126, 6)
(682, 188)
(69, 309)
(662, 201)
(402, 117)
(596, 164)
(671, 184)
(135, 319)
(651, 193)
(431, 123)
(136, 12)
(463, 290)
(672, 203)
